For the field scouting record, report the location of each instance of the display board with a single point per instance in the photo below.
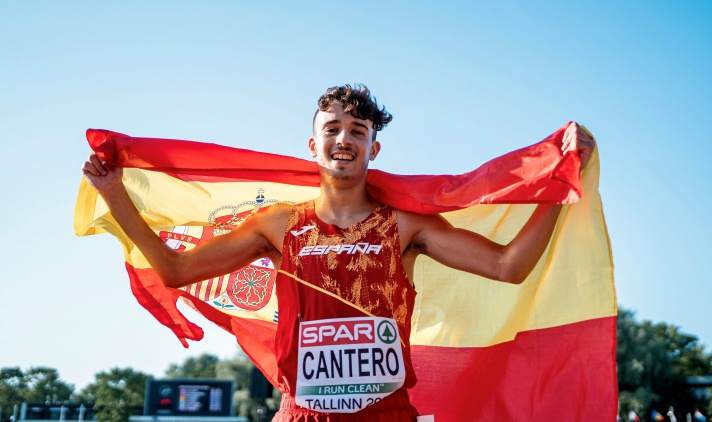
(189, 397)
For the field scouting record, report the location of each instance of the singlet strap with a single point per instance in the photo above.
(326, 292)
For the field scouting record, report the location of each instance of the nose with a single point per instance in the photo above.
(343, 138)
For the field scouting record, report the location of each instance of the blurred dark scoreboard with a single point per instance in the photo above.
(189, 397)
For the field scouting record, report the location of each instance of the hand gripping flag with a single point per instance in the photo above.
(482, 350)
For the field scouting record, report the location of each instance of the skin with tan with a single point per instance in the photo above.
(342, 145)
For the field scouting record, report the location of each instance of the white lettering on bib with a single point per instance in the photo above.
(346, 364)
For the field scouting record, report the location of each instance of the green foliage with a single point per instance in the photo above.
(116, 392)
(37, 384)
(654, 361)
(12, 385)
(204, 366)
(44, 383)
(238, 368)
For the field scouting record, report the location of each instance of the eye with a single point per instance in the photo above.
(357, 132)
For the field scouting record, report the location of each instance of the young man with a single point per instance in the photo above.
(344, 261)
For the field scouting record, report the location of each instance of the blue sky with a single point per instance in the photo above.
(465, 81)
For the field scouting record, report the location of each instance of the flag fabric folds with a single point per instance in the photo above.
(482, 350)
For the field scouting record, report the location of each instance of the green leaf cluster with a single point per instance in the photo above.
(116, 394)
(37, 384)
(654, 361)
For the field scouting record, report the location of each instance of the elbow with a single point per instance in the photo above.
(513, 273)
(513, 267)
(175, 278)
(515, 278)
(170, 280)
(518, 279)
(169, 272)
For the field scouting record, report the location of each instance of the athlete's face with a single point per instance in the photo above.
(342, 144)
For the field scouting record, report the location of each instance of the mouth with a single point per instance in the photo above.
(342, 156)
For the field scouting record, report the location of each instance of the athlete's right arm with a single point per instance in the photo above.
(260, 235)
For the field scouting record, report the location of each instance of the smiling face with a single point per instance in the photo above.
(342, 144)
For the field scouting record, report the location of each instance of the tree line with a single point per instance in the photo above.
(117, 393)
(654, 361)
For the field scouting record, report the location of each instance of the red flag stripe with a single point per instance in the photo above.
(555, 374)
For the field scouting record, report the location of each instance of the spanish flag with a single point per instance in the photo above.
(482, 350)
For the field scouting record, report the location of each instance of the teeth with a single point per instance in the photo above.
(342, 157)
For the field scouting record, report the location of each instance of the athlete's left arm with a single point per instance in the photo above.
(467, 251)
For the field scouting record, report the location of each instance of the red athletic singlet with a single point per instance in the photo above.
(328, 272)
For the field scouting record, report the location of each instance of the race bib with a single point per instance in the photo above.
(346, 364)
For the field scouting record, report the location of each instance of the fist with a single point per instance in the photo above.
(579, 140)
(100, 176)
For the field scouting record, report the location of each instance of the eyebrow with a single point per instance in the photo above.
(330, 122)
(361, 124)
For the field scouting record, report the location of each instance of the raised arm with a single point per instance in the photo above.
(471, 252)
(464, 250)
(258, 236)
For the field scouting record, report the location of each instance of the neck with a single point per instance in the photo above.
(343, 205)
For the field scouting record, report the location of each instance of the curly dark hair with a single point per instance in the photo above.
(357, 101)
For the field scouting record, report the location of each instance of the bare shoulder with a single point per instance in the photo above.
(274, 217)
(270, 223)
(277, 211)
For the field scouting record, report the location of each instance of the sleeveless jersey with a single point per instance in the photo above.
(328, 272)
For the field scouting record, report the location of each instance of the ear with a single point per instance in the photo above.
(375, 148)
(312, 147)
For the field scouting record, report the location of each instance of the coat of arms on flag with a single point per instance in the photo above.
(247, 289)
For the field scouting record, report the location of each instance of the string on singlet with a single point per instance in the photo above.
(326, 292)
